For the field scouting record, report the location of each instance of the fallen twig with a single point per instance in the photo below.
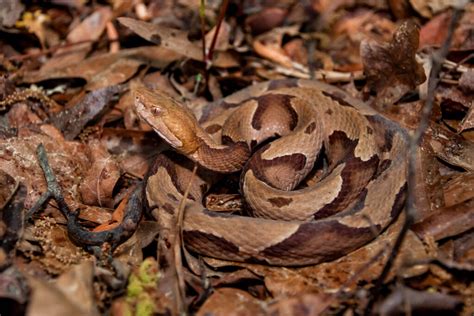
(410, 209)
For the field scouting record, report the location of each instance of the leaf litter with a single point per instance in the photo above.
(67, 69)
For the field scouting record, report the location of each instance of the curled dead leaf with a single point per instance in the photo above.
(228, 301)
(99, 182)
(391, 68)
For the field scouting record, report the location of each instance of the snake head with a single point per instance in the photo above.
(171, 120)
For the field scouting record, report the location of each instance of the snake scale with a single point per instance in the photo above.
(273, 133)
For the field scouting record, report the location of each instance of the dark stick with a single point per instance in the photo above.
(203, 30)
(410, 209)
(210, 53)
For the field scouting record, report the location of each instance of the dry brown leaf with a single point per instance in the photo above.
(234, 278)
(429, 193)
(459, 189)
(85, 33)
(131, 251)
(14, 289)
(12, 217)
(408, 115)
(466, 85)
(435, 30)
(116, 73)
(466, 82)
(400, 8)
(222, 41)
(448, 221)
(348, 32)
(454, 101)
(77, 286)
(269, 45)
(391, 68)
(11, 12)
(451, 147)
(308, 304)
(296, 51)
(97, 69)
(177, 41)
(21, 115)
(231, 302)
(18, 156)
(62, 299)
(7, 189)
(468, 121)
(265, 20)
(72, 121)
(428, 8)
(464, 248)
(97, 186)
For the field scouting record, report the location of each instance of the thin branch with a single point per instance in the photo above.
(410, 209)
(210, 53)
(202, 7)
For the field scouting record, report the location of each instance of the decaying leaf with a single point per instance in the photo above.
(451, 147)
(391, 68)
(435, 30)
(429, 195)
(175, 40)
(269, 45)
(82, 36)
(18, 156)
(459, 189)
(72, 121)
(266, 20)
(12, 219)
(97, 69)
(99, 182)
(228, 301)
(10, 12)
(428, 8)
(72, 294)
(309, 304)
(447, 221)
(466, 82)
(83, 64)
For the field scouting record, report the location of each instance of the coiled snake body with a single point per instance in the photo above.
(291, 223)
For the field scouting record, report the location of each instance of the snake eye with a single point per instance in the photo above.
(156, 111)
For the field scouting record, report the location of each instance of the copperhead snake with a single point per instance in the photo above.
(273, 133)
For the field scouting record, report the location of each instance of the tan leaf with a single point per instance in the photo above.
(391, 68)
(175, 40)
